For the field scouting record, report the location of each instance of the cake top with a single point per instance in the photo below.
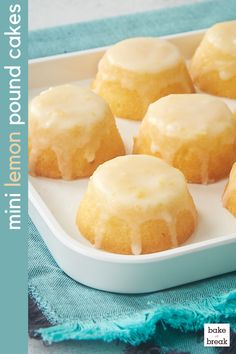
(190, 115)
(223, 36)
(138, 180)
(67, 106)
(144, 54)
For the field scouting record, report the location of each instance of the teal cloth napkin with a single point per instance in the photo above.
(86, 35)
(78, 312)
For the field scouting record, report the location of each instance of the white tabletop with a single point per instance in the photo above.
(49, 13)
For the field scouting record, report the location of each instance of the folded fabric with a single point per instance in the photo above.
(74, 311)
(78, 312)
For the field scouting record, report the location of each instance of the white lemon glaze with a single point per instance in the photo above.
(56, 112)
(67, 106)
(223, 36)
(189, 115)
(139, 188)
(144, 54)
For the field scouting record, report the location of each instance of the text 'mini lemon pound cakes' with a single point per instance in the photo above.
(71, 132)
(195, 133)
(213, 66)
(137, 71)
(136, 204)
(229, 196)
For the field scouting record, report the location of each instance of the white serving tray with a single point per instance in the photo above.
(53, 204)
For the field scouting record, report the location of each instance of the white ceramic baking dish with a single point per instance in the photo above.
(53, 204)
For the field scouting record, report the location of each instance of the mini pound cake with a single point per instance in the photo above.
(137, 71)
(71, 132)
(195, 133)
(213, 66)
(136, 204)
(229, 197)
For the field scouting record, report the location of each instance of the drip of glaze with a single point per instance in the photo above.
(100, 235)
(205, 168)
(100, 231)
(154, 148)
(64, 155)
(64, 161)
(99, 238)
(171, 224)
(136, 241)
(170, 220)
(225, 75)
(135, 235)
(202, 155)
(33, 157)
(230, 187)
(90, 156)
(173, 234)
